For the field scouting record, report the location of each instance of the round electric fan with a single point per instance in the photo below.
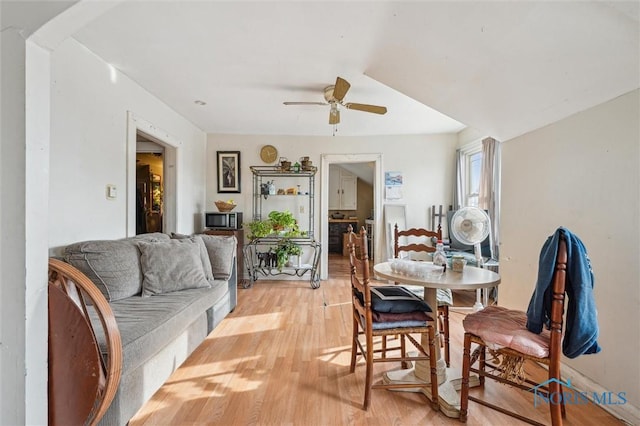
(471, 225)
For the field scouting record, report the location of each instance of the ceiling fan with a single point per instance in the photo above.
(334, 95)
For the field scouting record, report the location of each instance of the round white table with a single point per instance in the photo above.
(471, 278)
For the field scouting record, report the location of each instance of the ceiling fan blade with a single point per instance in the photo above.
(341, 88)
(367, 108)
(305, 103)
(334, 116)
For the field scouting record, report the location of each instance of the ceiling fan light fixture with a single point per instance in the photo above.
(334, 114)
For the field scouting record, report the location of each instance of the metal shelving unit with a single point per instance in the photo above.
(259, 267)
(262, 202)
(301, 204)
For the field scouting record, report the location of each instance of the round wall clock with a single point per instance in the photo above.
(268, 153)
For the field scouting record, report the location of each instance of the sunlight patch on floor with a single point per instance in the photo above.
(249, 324)
(191, 381)
(340, 355)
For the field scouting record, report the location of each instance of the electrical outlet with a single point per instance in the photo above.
(301, 209)
(111, 192)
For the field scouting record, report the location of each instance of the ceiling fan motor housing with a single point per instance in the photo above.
(328, 94)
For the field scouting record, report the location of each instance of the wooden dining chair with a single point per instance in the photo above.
(422, 246)
(381, 311)
(83, 377)
(511, 344)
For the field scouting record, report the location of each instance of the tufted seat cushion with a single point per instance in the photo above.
(500, 327)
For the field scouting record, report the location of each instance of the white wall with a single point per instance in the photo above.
(23, 203)
(582, 173)
(89, 104)
(426, 161)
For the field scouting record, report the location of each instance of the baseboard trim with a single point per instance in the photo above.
(627, 412)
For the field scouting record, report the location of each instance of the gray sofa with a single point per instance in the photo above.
(167, 295)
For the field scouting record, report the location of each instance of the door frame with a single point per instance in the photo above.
(171, 146)
(325, 161)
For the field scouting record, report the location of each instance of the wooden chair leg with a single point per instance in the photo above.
(384, 346)
(563, 408)
(482, 363)
(354, 345)
(369, 373)
(464, 390)
(403, 353)
(445, 310)
(435, 402)
(555, 406)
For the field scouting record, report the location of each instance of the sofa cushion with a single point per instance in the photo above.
(204, 255)
(112, 265)
(176, 236)
(221, 249)
(171, 266)
(148, 324)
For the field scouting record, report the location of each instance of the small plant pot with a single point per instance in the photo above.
(294, 261)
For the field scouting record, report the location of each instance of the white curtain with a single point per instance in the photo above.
(461, 181)
(489, 194)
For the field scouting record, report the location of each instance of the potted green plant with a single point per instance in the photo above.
(259, 228)
(280, 223)
(284, 222)
(285, 249)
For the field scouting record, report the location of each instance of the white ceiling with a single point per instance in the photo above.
(503, 68)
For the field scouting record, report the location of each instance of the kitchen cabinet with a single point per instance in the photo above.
(337, 228)
(343, 189)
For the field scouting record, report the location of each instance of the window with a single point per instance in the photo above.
(474, 168)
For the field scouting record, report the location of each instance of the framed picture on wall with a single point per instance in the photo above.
(228, 171)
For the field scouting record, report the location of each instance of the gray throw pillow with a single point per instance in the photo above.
(150, 237)
(176, 236)
(204, 255)
(112, 265)
(171, 266)
(221, 249)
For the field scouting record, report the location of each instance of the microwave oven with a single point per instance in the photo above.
(220, 220)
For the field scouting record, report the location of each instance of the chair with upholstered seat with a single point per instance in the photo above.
(506, 333)
(381, 311)
(418, 243)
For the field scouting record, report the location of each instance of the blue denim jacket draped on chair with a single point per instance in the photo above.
(581, 333)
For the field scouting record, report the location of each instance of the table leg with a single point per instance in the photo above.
(449, 383)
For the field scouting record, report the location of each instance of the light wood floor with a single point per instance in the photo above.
(282, 358)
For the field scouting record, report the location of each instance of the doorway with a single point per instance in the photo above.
(351, 163)
(153, 140)
(350, 204)
(149, 186)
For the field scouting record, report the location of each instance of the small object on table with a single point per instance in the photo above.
(458, 263)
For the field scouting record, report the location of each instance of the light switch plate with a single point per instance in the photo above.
(111, 192)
